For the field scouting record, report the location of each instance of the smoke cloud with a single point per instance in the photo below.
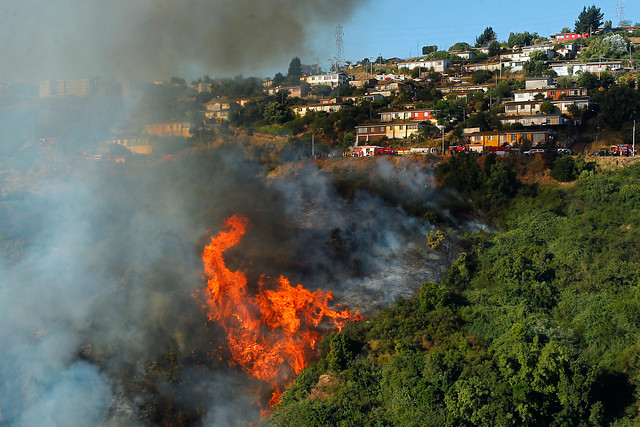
(99, 320)
(100, 262)
(155, 39)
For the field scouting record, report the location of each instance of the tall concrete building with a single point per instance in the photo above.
(81, 88)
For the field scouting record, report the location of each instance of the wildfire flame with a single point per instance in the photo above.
(273, 331)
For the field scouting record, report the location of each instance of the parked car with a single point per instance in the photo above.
(565, 152)
(534, 152)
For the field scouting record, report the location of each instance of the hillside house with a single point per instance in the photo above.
(567, 51)
(438, 65)
(538, 83)
(573, 68)
(394, 130)
(333, 80)
(360, 98)
(388, 86)
(467, 54)
(418, 115)
(466, 88)
(301, 91)
(363, 82)
(135, 144)
(537, 120)
(515, 137)
(302, 110)
(569, 36)
(181, 129)
(328, 101)
(549, 93)
(202, 87)
(484, 66)
(219, 109)
(529, 108)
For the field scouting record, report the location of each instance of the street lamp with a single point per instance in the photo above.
(633, 139)
(442, 129)
(313, 148)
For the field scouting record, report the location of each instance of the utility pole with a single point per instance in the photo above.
(633, 139)
(313, 147)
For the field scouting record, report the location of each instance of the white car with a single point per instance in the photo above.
(534, 151)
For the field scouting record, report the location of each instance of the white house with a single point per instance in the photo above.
(439, 65)
(301, 110)
(549, 93)
(528, 108)
(537, 120)
(572, 68)
(464, 55)
(334, 79)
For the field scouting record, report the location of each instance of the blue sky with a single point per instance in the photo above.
(393, 28)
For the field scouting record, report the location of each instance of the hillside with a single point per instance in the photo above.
(535, 324)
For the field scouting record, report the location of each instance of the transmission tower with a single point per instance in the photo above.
(338, 60)
(621, 20)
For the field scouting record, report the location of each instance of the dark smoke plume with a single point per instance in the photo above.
(154, 39)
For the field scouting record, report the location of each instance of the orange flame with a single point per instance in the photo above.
(273, 331)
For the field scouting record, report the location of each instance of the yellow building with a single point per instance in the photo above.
(182, 129)
(513, 137)
(136, 144)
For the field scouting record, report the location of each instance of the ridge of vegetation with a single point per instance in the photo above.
(536, 324)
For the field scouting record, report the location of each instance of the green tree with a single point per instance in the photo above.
(564, 81)
(277, 113)
(481, 76)
(521, 39)
(536, 66)
(501, 183)
(278, 79)
(428, 49)
(295, 68)
(547, 107)
(494, 48)
(564, 169)
(340, 353)
(611, 46)
(487, 36)
(460, 47)
(588, 20)
(620, 104)
(348, 139)
(588, 80)
(503, 89)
